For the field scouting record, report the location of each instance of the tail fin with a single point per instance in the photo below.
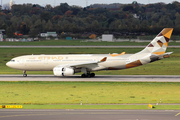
(159, 44)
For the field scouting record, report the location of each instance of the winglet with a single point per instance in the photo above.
(114, 55)
(104, 59)
(123, 53)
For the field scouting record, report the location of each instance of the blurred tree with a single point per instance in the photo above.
(10, 31)
(33, 32)
(43, 24)
(35, 10)
(144, 26)
(91, 19)
(48, 7)
(177, 20)
(46, 16)
(128, 8)
(162, 21)
(21, 9)
(155, 17)
(135, 24)
(68, 13)
(75, 10)
(49, 26)
(95, 26)
(57, 10)
(115, 24)
(64, 7)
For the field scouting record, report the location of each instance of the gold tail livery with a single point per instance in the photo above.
(67, 65)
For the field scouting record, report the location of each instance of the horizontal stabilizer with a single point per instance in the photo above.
(165, 55)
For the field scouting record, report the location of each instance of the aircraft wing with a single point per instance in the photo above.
(86, 64)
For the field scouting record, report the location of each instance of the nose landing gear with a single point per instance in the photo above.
(24, 73)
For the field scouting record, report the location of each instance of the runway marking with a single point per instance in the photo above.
(62, 113)
(27, 115)
(177, 114)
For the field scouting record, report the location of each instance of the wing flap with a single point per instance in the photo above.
(86, 64)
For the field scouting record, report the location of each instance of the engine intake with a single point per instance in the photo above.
(63, 71)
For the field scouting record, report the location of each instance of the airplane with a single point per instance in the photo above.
(69, 64)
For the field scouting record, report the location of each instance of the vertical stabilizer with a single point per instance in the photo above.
(152, 52)
(159, 44)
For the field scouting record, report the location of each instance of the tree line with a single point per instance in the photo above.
(135, 18)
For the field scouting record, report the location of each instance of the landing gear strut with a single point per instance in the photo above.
(24, 75)
(89, 75)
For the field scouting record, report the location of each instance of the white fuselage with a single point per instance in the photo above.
(48, 62)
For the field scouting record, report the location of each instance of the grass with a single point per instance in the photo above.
(88, 92)
(169, 66)
(79, 43)
(140, 107)
(72, 42)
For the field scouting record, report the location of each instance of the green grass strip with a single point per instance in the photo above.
(88, 92)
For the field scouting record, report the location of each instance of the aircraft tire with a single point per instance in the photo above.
(24, 75)
(83, 75)
(89, 75)
(92, 74)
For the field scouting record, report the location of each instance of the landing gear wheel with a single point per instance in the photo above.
(88, 75)
(92, 74)
(83, 75)
(24, 75)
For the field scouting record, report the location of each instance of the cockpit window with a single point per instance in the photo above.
(12, 60)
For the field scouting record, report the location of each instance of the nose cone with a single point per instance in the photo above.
(11, 65)
(7, 64)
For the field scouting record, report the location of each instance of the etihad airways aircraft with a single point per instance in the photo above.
(67, 65)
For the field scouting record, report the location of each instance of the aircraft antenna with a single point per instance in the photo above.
(86, 3)
(54, 3)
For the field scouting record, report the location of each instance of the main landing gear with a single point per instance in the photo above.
(89, 75)
(86, 73)
(24, 75)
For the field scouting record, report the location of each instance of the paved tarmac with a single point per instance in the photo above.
(124, 46)
(89, 114)
(103, 78)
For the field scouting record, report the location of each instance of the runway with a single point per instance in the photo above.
(70, 46)
(99, 78)
(89, 114)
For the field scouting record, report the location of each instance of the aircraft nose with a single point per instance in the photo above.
(8, 64)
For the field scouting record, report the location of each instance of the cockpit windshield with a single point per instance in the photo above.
(12, 61)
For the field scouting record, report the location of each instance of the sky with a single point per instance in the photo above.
(83, 3)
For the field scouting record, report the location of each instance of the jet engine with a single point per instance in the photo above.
(63, 71)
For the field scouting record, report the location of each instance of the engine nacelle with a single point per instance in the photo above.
(63, 71)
